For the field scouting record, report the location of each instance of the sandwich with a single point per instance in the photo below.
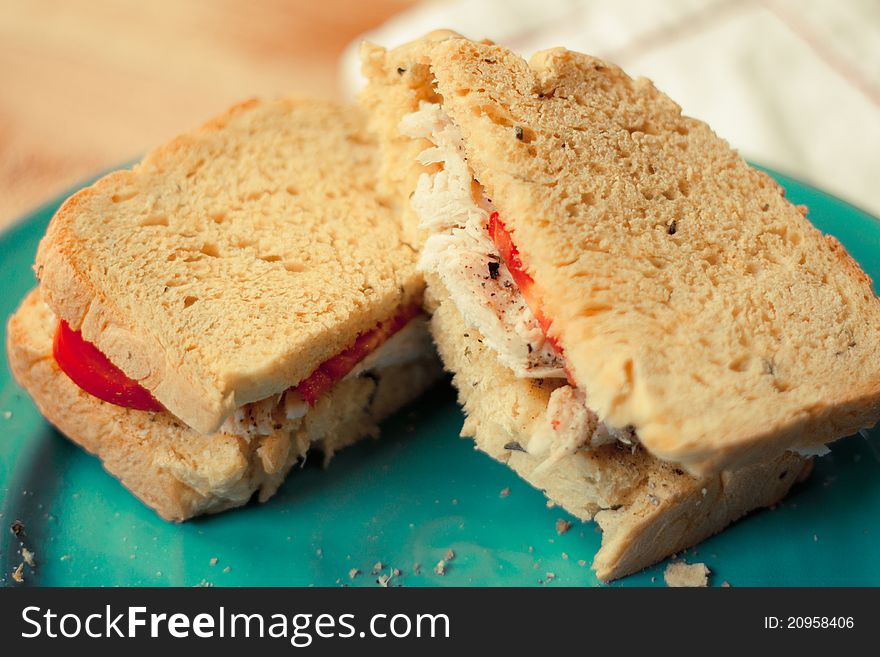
(637, 321)
(240, 296)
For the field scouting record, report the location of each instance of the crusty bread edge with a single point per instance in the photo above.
(641, 534)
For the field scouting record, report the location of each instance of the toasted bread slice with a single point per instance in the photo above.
(647, 509)
(182, 473)
(231, 262)
(691, 300)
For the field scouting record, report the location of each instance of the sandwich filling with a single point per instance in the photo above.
(469, 249)
(399, 340)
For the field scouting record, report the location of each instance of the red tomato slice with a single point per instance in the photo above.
(510, 254)
(92, 371)
(335, 368)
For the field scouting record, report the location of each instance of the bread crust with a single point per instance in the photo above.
(175, 470)
(233, 260)
(692, 300)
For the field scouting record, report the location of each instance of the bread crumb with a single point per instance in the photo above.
(17, 573)
(440, 568)
(354, 572)
(417, 568)
(7, 415)
(550, 577)
(378, 566)
(28, 556)
(214, 561)
(679, 573)
(384, 580)
(725, 584)
(703, 492)
(550, 504)
(582, 563)
(64, 557)
(227, 569)
(565, 555)
(450, 555)
(505, 492)
(562, 526)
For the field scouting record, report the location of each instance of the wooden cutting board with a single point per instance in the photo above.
(87, 85)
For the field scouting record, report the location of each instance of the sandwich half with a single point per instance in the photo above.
(671, 285)
(240, 296)
(637, 322)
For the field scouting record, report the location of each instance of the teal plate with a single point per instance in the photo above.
(403, 500)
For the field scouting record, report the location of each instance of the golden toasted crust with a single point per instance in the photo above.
(643, 533)
(691, 299)
(181, 473)
(232, 261)
(646, 508)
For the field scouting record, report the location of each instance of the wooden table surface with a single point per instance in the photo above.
(89, 84)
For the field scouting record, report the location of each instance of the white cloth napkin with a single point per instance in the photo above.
(793, 84)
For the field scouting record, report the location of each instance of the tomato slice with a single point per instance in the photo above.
(510, 255)
(92, 371)
(335, 368)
